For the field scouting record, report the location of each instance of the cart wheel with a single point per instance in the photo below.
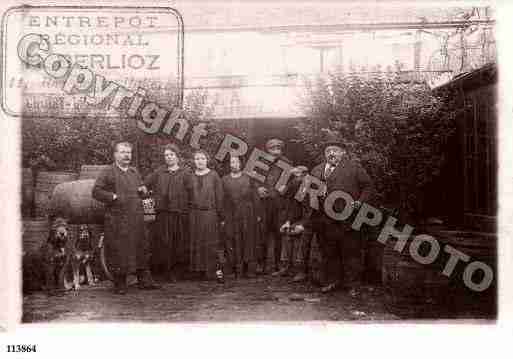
(105, 267)
(131, 279)
(66, 277)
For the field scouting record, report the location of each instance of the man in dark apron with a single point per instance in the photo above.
(120, 188)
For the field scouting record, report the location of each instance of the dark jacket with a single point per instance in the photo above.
(124, 218)
(349, 177)
(172, 192)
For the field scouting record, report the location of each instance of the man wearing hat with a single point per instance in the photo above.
(273, 206)
(340, 245)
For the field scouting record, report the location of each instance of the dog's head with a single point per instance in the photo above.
(84, 238)
(59, 236)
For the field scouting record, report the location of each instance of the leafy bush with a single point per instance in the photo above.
(396, 129)
(68, 143)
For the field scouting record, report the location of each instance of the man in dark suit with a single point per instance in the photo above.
(340, 245)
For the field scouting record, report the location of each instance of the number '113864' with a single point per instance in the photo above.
(23, 348)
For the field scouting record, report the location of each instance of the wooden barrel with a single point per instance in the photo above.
(74, 201)
(45, 183)
(479, 246)
(412, 289)
(27, 192)
(33, 276)
(91, 171)
(35, 233)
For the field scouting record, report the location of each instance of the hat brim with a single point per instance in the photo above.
(332, 143)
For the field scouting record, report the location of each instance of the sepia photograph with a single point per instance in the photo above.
(142, 169)
(252, 162)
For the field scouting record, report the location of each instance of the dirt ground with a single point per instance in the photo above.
(255, 299)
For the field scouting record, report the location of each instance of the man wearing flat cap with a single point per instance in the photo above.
(340, 245)
(274, 206)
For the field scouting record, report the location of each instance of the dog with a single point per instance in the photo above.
(82, 257)
(55, 254)
(61, 255)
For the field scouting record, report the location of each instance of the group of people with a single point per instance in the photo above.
(205, 223)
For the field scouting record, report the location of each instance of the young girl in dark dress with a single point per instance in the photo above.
(205, 220)
(241, 218)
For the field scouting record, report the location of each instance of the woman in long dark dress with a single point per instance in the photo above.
(172, 187)
(241, 218)
(206, 216)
